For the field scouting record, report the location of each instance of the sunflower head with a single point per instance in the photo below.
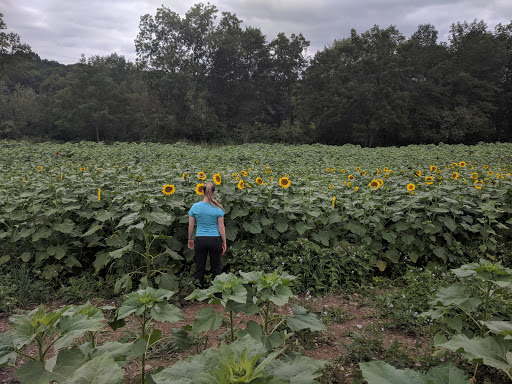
(39, 168)
(244, 174)
(268, 170)
(411, 187)
(374, 184)
(356, 189)
(363, 173)
(259, 180)
(350, 177)
(201, 176)
(57, 153)
(328, 170)
(381, 182)
(429, 180)
(284, 182)
(418, 173)
(433, 168)
(217, 179)
(455, 175)
(199, 189)
(358, 169)
(474, 175)
(331, 186)
(333, 201)
(462, 164)
(168, 189)
(479, 184)
(241, 185)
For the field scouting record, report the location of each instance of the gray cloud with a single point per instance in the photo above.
(63, 30)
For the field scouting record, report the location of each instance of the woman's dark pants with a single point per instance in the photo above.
(203, 246)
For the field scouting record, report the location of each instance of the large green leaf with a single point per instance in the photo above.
(493, 350)
(121, 251)
(503, 328)
(296, 370)
(281, 295)
(379, 372)
(456, 295)
(75, 326)
(303, 319)
(446, 374)
(206, 320)
(166, 312)
(100, 370)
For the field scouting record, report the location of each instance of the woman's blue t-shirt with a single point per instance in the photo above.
(206, 216)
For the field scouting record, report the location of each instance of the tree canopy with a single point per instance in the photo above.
(205, 77)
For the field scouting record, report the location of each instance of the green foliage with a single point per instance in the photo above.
(243, 361)
(135, 236)
(378, 372)
(467, 309)
(148, 305)
(252, 293)
(410, 296)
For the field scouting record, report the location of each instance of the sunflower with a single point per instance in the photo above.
(363, 173)
(381, 182)
(268, 170)
(333, 200)
(217, 179)
(418, 173)
(199, 189)
(462, 164)
(99, 194)
(57, 153)
(479, 184)
(385, 169)
(374, 184)
(40, 168)
(429, 180)
(411, 187)
(259, 180)
(82, 169)
(284, 182)
(455, 175)
(168, 189)
(433, 168)
(331, 186)
(350, 177)
(328, 170)
(490, 173)
(241, 185)
(358, 169)
(348, 184)
(201, 176)
(356, 189)
(474, 175)
(244, 174)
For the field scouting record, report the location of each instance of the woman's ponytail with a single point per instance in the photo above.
(208, 190)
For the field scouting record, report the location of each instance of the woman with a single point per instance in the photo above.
(210, 233)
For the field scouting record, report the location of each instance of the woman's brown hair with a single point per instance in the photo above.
(208, 190)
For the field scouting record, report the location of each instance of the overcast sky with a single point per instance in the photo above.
(62, 30)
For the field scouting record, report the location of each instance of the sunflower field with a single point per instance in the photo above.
(122, 209)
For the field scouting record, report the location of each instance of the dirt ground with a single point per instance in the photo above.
(356, 316)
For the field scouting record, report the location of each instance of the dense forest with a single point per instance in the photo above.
(206, 78)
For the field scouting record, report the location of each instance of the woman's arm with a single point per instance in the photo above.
(191, 225)
(222, 231)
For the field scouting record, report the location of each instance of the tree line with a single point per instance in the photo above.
(207, 78)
